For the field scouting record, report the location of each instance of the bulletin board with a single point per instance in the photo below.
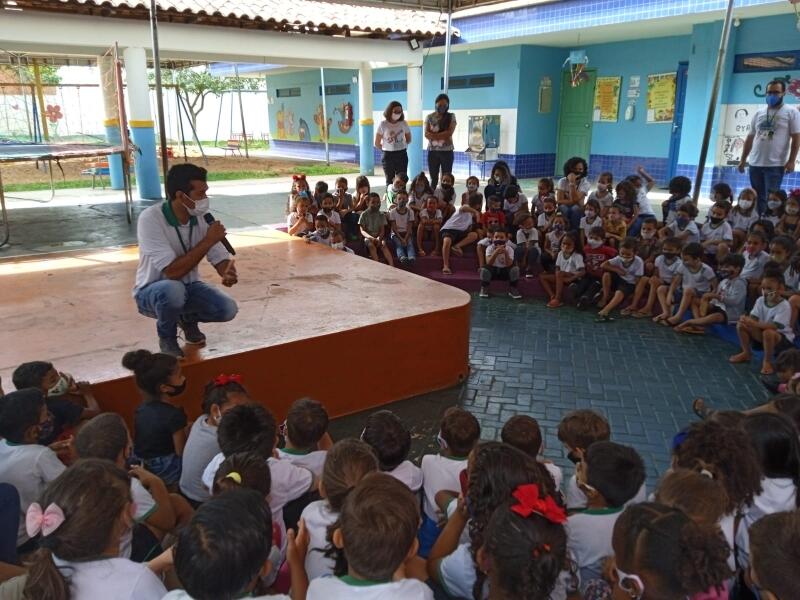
(661, 97)
(606, 99)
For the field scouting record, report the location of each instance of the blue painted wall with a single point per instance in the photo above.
(309, 102)
(381, 100)
(536, 132)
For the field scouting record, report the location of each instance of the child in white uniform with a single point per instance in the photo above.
(379, 513)
(696, 278)
(500, 265)
(716, 235)
(391, 441)
(523, 432)
(306, 435)
(726, 304)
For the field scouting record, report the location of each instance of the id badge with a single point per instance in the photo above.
(766, 133)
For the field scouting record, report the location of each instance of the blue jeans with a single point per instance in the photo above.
(573, 214)
(9, 522)
(406, 251)
(169, 301)
(167, 467)
(764, 180)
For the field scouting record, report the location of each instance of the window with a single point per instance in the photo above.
(767, 61)
(287, 92)
(461, 82)
(380, 87)
(342, 89)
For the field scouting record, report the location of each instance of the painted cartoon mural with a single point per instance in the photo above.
(284, 123)
(304, 132)
(346, 112)
(322, 124)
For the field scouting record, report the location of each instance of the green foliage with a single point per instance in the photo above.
(48, 73)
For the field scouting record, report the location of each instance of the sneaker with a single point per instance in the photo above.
(170, 346)
(403, 260)
(484, 292)
(596, 297)
(514, 293)
(411, 262)
(192, 333)
(529, 275)
(582, 302)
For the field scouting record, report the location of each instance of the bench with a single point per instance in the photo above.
(97, 169)
(233, 146)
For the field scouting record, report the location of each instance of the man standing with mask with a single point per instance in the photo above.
(772, 143)
(173, 239)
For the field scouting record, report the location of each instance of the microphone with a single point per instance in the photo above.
(210, 219)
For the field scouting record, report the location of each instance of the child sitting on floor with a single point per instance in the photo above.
(419, 191)
(494, 211)
(695, 279)
(328, 208)
(647, 244)
(787, 225)
(544, 221)
(544, 189)
(345, 206)
(776, 205)
(399, 184)
(300, 220)
(306, 437)
(679, 189)
(391, 441)
(595, 253)
(717, 235)
(320, 189)
(401, 220)
(527, 250)
(430, 224)
(373, 229)
(627, 201)
(614, 226)
(523, 432)
(621, 275)
(457, 231)
(515, 206)
(755, 259)
(323, 232)
(552, 241)
(742, 216)
(725, 304)
(683, 227)
(569, 269)
(767, 326)
(665, 268)
(473, 187)
(591, 218)
(446, 195)
(500, 265)
(604, 194)
(347, 462)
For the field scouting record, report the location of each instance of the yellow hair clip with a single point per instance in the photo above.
(235, 476)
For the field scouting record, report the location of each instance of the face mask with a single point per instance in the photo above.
(374, 208)
(499, 242)
(200, 208)
(177, 390)
(627, 263)
(574, 457)
(791, 210)
(745, 204)
(774, 204)
(769, 295)
(60, 388)
(497, 178)
(446, 186)
(472, 187)
(724, 274)
(442, 108)
(774, 100)
(578, 175)
(669, 256)
(402, 203)
(715, 220)
(337, 245)
(419, 189)
(682, 221)
(590, 214)
(602, 187)
(648, 235)
(558, 227)
(396, 117)
(594, 243)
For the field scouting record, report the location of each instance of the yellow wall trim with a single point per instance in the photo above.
(414, 123)
(141, 123)
(111, 122)
(366, 122)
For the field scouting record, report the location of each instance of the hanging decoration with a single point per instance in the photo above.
(576, 63)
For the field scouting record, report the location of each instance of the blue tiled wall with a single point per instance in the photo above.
(731, 176)
(622, 166)
(579, 14)
(315, 150)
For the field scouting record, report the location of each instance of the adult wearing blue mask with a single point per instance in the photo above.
(439, 128)
(173, 239)
(772, 144)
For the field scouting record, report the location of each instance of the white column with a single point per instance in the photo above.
(140, 122)
(365, 124)
(414, 119)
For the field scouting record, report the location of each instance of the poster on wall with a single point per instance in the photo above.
(606, 99)
(661, 97)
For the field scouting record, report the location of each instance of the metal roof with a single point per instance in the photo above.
(380, 20)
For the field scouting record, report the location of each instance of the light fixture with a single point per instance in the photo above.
(413, 43)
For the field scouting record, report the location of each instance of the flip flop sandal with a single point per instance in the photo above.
(604, 319)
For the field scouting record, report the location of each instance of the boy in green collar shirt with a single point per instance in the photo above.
(306, 437)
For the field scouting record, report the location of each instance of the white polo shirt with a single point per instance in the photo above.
(772, 129)
(160, 244)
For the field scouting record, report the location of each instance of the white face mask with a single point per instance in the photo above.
(593, 243)
(337, 245)
(648, 235)
(200, 207)
(745, 204)
(774, 204)
(590, 214)
(791, 210)
(396, 117)
(60, 388)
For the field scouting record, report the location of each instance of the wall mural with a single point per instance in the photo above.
(322, 124)
(346, 111)
(284, 123)
(792, 87)
(304, 132)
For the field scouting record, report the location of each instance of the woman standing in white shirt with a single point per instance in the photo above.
(393, 138)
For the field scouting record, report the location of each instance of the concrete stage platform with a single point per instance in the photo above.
(312, 322)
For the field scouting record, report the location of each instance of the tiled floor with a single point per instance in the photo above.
(527, 359)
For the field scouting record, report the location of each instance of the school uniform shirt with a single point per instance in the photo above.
(345, 588)
(439, 194)
(201, 447)
(111, 579)
(673, 205)
(503, 260)
(425, 215)
(293, 218)
(633, 271)
(604, 201)
(589, 539)
(318, 516)
(537, 202)
(740, 221)
(691, 227)
(595, 257)
(527, 235)
(779, 314)
(733, 295)
(583, 185)
(667, 271)
(721, 233)
(393, 135)
(542, 219)
(155, 423)
(791, 279)
(753, 265)
(555, 472)
(160, 243)
(555, 237)
(145, 505)
(403, 221)
(586, 225)
(772, 129)
(183, 595)
(461, 220)
(514, 207)
(439, 473)
(569, 264)
(575, 498)
(314, 461)
(29, 468)
(333, 217)
(643, 201)
(372, 222)
(699, 281)
(408, 473)
(777, 495)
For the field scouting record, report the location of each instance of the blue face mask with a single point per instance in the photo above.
(442, 108)
(774, 100)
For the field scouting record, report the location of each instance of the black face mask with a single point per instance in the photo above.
(177, 390)
(574, 457)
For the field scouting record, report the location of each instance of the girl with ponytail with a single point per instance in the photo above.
(81, 518)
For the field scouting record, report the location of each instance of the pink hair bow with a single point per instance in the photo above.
(46, 522)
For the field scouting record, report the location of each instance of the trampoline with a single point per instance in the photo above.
(12, 151)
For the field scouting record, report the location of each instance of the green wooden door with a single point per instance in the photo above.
(575, 119)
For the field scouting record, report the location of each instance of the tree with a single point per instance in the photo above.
(194, 86)
(48, 73)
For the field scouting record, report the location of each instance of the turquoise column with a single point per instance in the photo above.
(115, 160)
(108, 88)
(366, 127)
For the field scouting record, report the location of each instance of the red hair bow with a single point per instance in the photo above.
(298, 176)
(223, 379)
(531, 503)
(795, 192)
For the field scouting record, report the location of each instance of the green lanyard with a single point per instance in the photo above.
(169, 215)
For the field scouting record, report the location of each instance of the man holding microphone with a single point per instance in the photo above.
(174, 237)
